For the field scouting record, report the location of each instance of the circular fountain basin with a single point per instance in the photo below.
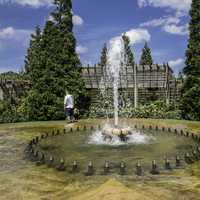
(86, 145)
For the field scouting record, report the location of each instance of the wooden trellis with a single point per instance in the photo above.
(141, 83)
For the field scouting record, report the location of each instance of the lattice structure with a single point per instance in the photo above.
(139, 83)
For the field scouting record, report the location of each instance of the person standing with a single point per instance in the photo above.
(69, 106)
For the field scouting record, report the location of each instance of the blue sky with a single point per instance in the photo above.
(164, 24)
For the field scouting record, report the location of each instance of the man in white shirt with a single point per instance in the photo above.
(69, 107)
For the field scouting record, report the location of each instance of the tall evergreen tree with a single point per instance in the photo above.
(103, 58)
(58, 67)
(129, 57)
(31, 60)
(146, 58)
(191, 89)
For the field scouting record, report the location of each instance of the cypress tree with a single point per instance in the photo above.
(103, 58)
(31, 60)
(66, 59)
(146, 58)
(128, 56)
(190, 103)
(58, 67)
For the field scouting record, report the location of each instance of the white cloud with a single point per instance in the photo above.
(178, 5)
(176, 63)
(142, 3)
(138, 35)
(178, 30)
(161, 21)
(153, 23)
(6, 33)
(81, 49)
(77, 20)
(15, 34)
(11, 35)
(170, 24)
(32, 3)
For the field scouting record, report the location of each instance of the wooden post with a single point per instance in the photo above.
(167, 83)
(135, 87)
(95, 71)
(88, 71)
(103, 76)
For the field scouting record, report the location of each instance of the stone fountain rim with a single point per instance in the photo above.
(33, 143)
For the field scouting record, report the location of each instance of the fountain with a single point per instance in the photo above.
(107, 150)
(114, 65)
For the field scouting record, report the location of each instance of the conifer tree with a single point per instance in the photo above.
(191, 90)
(58, 67)
(66, 58)
(103, 58)
(129, 57)
(31, 60)
(146, 58)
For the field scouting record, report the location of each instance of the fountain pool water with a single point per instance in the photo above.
(83, 147)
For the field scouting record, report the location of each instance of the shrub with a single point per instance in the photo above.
(156, 110)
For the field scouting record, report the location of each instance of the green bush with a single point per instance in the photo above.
(156, 110)
(9, 113)
(42, 107)
(190, 103)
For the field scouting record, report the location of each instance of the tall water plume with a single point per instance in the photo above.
(114, 66)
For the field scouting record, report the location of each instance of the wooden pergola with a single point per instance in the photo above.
(140, 83)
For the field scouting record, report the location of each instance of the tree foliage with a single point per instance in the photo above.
(146, 58)
(190, 103)
(32, 58)
(103, 58)
(128, 54)
(53, 66)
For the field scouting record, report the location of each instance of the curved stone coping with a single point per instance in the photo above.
(40, 158)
